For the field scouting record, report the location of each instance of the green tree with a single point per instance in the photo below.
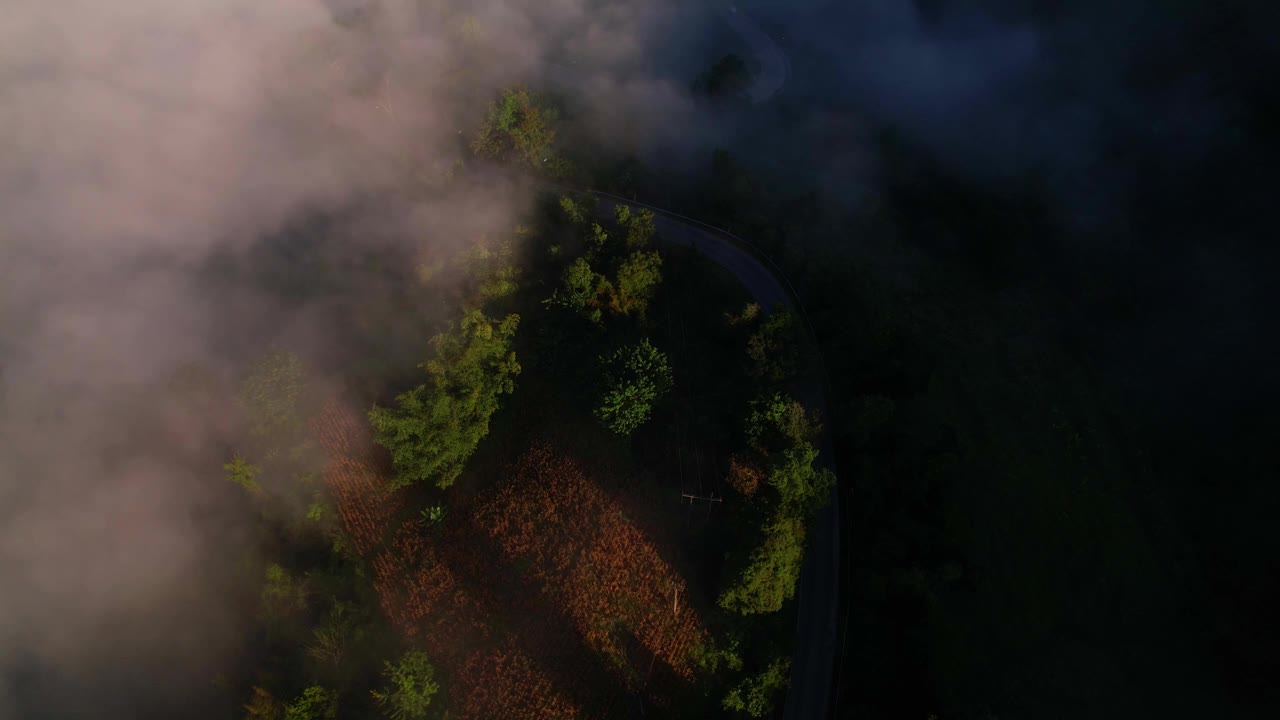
(641, 227)
(637, 280)
(781, 434)
(634, 379)
(768, 578)
(802, 488)
(777, 421)
(583, 290)
(241, 472)
(315, 703)
(517, 125)
(598, 237)
(774, 348)
(434, 428)
(412, 687)
(757, 695)
(711, 656)
(579, 212)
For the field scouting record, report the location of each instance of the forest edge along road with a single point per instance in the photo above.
(809, 697)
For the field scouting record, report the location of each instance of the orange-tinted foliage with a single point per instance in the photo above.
(563, 535)
(744, 476)
(419, 592)
(423, 598)
(586, 555)
(504, 684)
(364, 502)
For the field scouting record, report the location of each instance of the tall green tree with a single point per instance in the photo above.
(411, 687)
(636, 283)
(433, 429)
(769, 577)
(583, 290)
(777, 422)
(802, 488)
(780, 433)
(641, 226)
(634, 378)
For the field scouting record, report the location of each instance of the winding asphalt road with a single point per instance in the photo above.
(818, 595)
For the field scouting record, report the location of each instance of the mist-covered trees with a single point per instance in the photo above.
(780, 435)
(410, 689)
(276, 460)
(243, 473)
(272, 398)
(433, 429)
(633, 379)
(519, 127)
(490, 271)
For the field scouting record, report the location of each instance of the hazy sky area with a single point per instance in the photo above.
(140, 137)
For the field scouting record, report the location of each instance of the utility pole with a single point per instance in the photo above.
(709, 499)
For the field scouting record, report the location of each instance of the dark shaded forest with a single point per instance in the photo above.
(1054, 431)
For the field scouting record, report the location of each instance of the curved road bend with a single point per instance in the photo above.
(818, 595)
